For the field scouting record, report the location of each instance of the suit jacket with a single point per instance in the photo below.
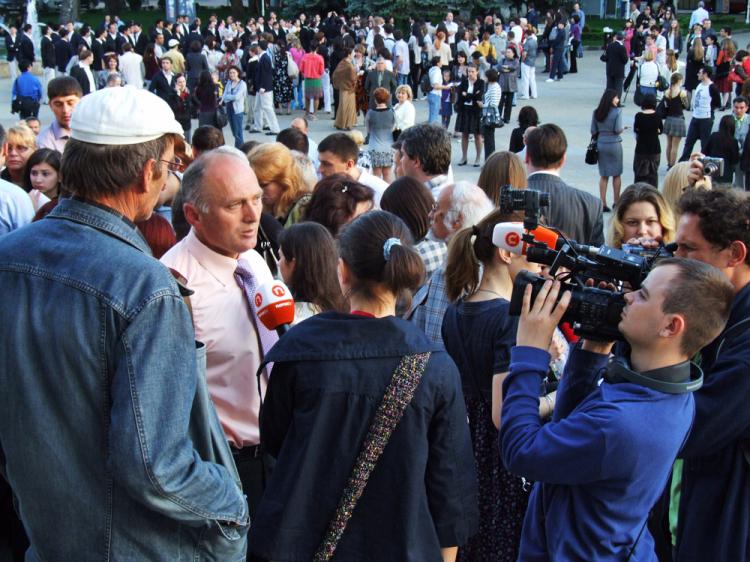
(79, 74)
(616, 57)
(475, 97)
(11, 46)
(48, 53)
(141, 43)
(63, 54)
(264, 73)
(25, 48)
(97, 48)
(576, 213)
(388, 82)
(161, 86)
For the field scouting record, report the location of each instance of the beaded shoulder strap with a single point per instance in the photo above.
(397, 396)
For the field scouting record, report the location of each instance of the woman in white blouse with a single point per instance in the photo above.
(404, 110)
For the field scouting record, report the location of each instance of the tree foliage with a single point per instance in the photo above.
(69, 10)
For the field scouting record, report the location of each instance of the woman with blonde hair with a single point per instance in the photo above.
(20, 144)
(676, 182)
(284, 191)
(404, 111)
(643, 212)
(501, 168)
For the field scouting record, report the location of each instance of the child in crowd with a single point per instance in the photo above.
(446, 100)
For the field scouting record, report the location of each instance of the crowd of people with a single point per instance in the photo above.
(405, 414)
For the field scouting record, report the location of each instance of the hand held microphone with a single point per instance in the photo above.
(509, 236)
(275, 306)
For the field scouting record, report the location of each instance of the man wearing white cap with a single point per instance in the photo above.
(174, 54)
(108, 437)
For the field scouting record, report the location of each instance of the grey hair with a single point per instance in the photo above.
(469, 205)
(193, 180)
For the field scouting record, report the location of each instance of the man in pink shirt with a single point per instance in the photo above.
(222, 203)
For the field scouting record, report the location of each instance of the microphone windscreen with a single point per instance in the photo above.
(507, 236)
(274, 304)
(547, 236)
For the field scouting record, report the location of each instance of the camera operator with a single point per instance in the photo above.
(710, 491)
(603, 460)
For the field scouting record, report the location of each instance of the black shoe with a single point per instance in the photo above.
(606, 209)
(462, 163)
(271, 134)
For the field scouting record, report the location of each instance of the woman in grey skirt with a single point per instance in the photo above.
(675, 102)
(380, 122)
(606, 123)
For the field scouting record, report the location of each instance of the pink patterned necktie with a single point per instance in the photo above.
(249, 284)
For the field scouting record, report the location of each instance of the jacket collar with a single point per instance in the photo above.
(101, 218)
(335, 336)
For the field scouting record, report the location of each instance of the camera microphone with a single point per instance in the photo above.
(509, 236)
(275, 306)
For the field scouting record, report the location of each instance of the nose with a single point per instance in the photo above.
(642, 229)
(628, 297)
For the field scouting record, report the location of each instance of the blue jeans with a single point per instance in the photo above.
(235, 123)
(403, 79)
(646, 90)
(433, 103)
(556, 71)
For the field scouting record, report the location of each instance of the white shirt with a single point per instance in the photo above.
(131, 67)
(452, 28)
(649, 73)
(661, 49)
(223, 321)
(698, 15)
(701, 103)
(16, 208)
(436, 79)
(377, 184)
(405, 114)
(517, 35)
(401, 50)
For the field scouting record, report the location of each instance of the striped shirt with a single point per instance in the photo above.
(492, 95)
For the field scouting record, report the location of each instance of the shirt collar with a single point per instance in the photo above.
(219, 266)
(58, 131)
(550, 172)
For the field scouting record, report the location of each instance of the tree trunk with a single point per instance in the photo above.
(69, 10)
(238, 9)
(113, 6)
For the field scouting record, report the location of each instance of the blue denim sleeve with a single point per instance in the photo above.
(153, 386)
(571, 451)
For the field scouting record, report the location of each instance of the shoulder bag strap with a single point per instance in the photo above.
(398, 394)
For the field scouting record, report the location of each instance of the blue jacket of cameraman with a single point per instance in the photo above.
(714, 513)
(599, 465)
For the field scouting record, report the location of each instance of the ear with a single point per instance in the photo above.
(147, 176)
(192, 216)
(505, 256)
(737, 253)
(674, 327)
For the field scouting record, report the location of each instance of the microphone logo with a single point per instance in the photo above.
(512, 239)
(277, 290)
(258, 300)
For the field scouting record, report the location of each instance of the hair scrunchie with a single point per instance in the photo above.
(390, 243)
(475, 230)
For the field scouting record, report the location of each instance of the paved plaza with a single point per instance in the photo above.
(568, 103)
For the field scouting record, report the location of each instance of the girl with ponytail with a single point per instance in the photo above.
(329, 378)
(478, 333)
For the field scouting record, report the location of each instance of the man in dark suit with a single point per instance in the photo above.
(63, 51)
(12, 41)
(576, 213)
(263, 85)
(97, 47)
(140, 38)
(380, 78)
(26, 45)
(616, 57)
(162, 84)
(114, 41)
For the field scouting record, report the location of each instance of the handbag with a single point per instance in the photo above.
(592, 152)
(398, 394)
(661, 108)
(638, 96)
(491, 118)
(662, 84)
(220, 118)
(292, 69)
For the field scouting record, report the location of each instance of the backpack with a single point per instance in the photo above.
(424, 84)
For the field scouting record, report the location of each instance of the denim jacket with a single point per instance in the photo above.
(107, 435)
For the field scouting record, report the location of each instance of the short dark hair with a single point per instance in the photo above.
(361, 247)
(546, 146)
(411, 201)
(741, 99)
(207, 137)
(341, 145)
(63, 86)
(703, 295)
(723, 215)
(294, 139)
(649, 102)
(528, 117)
(24, 65)
(492, 75)
(708, 71)
(430, 144)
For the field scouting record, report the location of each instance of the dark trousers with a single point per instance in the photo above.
(556, 70)
(574, 55)
(488, 133)
(506, 105)
(646, 168)
(615, 84)
(698, 129)
(252, 474)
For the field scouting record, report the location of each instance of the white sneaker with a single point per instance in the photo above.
(550, 80)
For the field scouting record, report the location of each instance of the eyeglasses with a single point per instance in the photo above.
(174, 165)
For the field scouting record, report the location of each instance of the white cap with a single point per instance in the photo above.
(121, 116)
(173, 42)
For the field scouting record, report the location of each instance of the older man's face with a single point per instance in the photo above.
(437, 216)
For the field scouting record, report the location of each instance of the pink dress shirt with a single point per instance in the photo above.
(223, 321)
